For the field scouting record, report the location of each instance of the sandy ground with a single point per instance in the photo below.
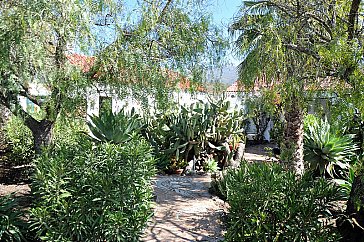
(14, 179)
(185, 211)
(259, 153)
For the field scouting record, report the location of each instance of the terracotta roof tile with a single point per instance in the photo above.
(86, 63)
(82, 61)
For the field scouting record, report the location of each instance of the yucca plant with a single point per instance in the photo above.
(324, 150)
(115, 128)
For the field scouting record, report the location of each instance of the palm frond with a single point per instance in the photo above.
(258, 7)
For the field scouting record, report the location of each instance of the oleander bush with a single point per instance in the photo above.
(12, 226)
(20, 141)
(93, 192)
(268, 203)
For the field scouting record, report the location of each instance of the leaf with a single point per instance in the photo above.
(220, 148)
(65, 194)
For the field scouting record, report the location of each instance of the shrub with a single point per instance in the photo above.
(211, 165)
(116, 128)
(12, 227)
(20, 139)
(324, 150)
(268, 203)
(93, 192)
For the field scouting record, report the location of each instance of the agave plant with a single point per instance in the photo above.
(116, 128)
(324, 150)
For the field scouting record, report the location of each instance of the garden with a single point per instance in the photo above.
(70, 173)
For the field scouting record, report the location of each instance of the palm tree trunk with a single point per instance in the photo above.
(292, 148)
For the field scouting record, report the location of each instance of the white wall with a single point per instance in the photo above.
(183, 98)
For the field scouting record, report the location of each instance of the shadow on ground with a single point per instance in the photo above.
(14, 175)
(185, 211)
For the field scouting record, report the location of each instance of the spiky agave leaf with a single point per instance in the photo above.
(116, 128)
(325, 151)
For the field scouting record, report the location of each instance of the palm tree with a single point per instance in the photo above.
(261, 41)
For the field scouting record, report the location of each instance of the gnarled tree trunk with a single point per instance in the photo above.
(42, 133)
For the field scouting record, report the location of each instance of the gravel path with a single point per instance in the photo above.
(185, 211)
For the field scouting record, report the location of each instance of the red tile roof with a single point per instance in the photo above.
(259, 83)
(82, 61)
(86, 62)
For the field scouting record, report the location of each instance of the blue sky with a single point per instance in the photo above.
(223, 12)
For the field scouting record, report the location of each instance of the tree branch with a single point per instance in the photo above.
(17, 110)
(353, 14)
(320, 21)
(303, 50)
(164, 10)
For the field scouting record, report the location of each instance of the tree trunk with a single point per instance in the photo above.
(42, 133)
(292, 150)
(233, 160)
(353, 18)
(353, 229)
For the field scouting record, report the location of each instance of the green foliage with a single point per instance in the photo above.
(93, 193)
(347, 119)
(211, 165)
(268, 203)
(129, 47)
(346, 184)
(195, 130)
(117, 128)
(20, 139)
(324, 150)
(12, 227)
(261, 109)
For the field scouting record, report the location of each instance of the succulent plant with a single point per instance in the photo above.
(324, 150)
(115, 128)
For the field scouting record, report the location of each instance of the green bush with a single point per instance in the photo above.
(12, 227)
(20, 139)
(116, 128)
(324, 150)
(93, 192)
(268, 203)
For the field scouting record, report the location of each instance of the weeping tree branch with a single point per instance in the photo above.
(302, 49)
(17, 110)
